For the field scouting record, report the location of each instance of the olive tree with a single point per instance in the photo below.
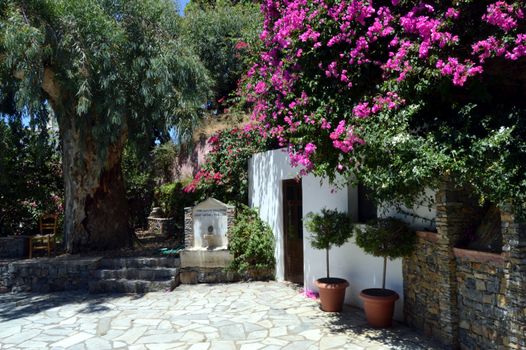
(112, 71)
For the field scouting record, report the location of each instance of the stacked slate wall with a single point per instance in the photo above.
(467, 299)
(47, 274)
(481, 299)
(421, 280)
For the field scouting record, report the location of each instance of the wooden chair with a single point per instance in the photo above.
(46, 240)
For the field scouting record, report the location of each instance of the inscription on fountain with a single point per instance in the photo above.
(210, 225)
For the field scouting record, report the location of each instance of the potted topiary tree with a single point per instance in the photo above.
(330, 228)
(386, 238)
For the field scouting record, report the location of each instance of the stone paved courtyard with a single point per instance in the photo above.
(244, 316)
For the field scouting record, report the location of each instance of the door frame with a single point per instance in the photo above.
(284, 201)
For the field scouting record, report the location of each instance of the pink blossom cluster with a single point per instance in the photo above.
(344, 138)
(332, 42)
(519, 50)
(503, 15)
(459, 71)
(203, 176)
(487, 48)
(302, 157)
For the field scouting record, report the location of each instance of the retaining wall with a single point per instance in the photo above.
(467, 299)
(47, 274)
(13, 246)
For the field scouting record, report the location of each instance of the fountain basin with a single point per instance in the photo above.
(217, 258)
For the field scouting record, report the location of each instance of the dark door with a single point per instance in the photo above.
(293, 230)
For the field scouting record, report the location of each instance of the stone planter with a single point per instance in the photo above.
(162, 227)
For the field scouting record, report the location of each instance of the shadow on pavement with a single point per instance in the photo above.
(14, 306)
(352, 322)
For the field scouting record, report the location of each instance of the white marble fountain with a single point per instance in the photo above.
(206, 252)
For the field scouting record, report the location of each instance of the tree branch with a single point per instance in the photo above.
(50, 86)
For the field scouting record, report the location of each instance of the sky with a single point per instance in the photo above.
(181, 4)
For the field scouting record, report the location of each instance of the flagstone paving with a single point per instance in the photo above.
(245, 316)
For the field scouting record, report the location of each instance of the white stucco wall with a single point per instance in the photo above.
(266, 172)
(419, 217)
(348, 261)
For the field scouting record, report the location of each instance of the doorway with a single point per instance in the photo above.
(293, 230)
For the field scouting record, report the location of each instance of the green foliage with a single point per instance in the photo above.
(165, 198)
(172, 199)
(148, 178)
(105, 67)
(387, 238)
(31, 176)
(221, 34)
(164, 158)
(251, 242)
(475, 138)
(330, 228)
(224, 175)
(139, 182)
(112, 72)
(460, 125)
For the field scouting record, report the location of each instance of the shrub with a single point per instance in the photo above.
(330, 228)
(224, 175)
(172, 200)
(251, 241)
(386, 238)
(142, 170)
(30, 176)
(164, 156)
(139, 182)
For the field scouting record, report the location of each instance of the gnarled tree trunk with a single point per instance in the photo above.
(96, 215)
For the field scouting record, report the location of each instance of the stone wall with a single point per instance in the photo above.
(47, 274)
(514, 249)
(194, 275)
(467, 299)
(481, 299)
(188, 228)
(4, 267)
(421, 277)
(13, 246)
(163, 227)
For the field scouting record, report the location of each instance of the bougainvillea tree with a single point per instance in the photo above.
(399, 93)
(224, 174)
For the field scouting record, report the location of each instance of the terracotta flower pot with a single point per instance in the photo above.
(332, 293)
(379, 306)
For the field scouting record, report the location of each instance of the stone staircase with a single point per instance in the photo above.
(135, 275)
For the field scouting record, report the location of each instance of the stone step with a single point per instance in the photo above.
(139, 262)
(131, 286)
(145, 273)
